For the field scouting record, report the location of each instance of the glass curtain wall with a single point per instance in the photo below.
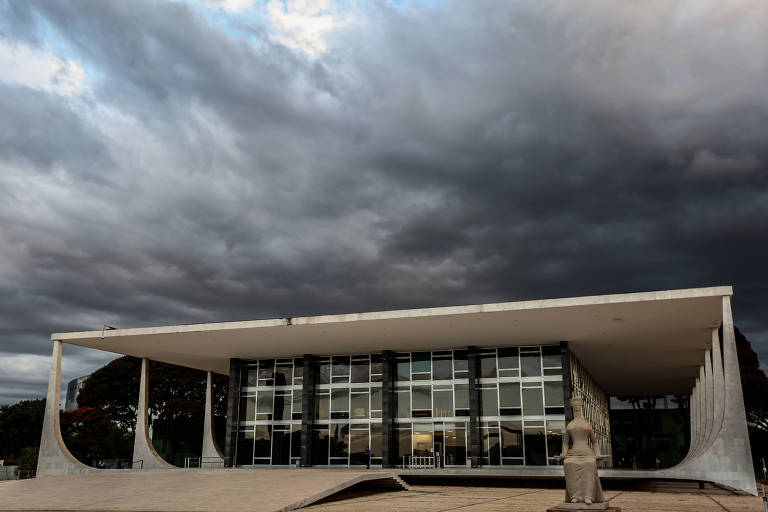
(432, 406)
(269, 430)
(522, 415)
(348, 411)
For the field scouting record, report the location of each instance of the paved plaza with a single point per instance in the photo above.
(271, 490)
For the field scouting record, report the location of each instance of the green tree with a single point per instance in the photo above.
(21, 425)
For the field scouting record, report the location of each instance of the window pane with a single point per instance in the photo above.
(455, 445)
(283, 375)
(509, 394)
(297, 400)
(249, 376)
(533, 404)
(340, 399)
(442, 369)
(461, 395)
(535, 447)
(420, 362)
(403, 403)
(377, 364)
(359, 407)
(323, 407)
(264, 405)
(358, 447)
(511, 439)
(244, 448)
(490, 442)
(555, 437)
(403, 444)
(376, 439)
(339, 442)
(266, 369)
(551, 355)
(508, 358)
(359, 371)
(553, 394)
(281, 447)
(489, 402)
(320, 446)
(262, 440)
(340, 366)
(295, 440)
(282, 407)
(487, 366)
(324, 373)
(460, 365)
(247, 408)
(421, 397)
(443, 403)
(375, 399)
(530, 364)
(403, 370)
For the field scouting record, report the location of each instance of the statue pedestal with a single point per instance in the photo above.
(583, 506)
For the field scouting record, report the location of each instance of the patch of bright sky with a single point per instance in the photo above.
(42, 69)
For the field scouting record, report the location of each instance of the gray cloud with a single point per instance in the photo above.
(446, 154)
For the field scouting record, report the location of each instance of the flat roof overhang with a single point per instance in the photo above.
(632, 344)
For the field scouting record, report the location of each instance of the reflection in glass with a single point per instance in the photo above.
(358, 447)
(509, 394)
(262, 439)
(551, 356)
(535, 447)
(283, 375)
(359, 405)
(324, 373)
(376, 439)
(295, 440)
(455, 444)
(442, 368)
(264, 405)
(490, 441)
(403, 442)
(247, 408)
(530, 364)
(403, 399)
(282, 406)
(461, 395)
(340, 403)
(421, 397)
(420, 363)
(359, 371)
(508, 358)
(339, 441)
(244, 448)
(460, 365)
(443, 403)
(511, 439)
(489, 405)
(488, 365)
(553, 394)
(319, 445)
(403, 370)
(533, 404)
(281, 447)
(555, 429)
(376, 399)
(323, 406)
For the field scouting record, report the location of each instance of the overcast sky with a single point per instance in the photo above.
(178, 162)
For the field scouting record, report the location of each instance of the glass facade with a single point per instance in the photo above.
(518, 390)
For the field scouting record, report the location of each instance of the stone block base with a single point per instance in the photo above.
(583, 506)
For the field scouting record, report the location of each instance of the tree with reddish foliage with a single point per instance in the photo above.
(89, 434)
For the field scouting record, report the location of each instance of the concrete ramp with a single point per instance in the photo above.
(189, 490)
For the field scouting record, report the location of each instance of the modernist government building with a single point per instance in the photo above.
(465, 389)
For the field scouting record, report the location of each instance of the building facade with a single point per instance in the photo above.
(468, 388)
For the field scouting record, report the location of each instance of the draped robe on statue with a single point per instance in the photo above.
(580, 465)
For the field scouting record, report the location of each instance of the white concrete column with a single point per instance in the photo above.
(54, 458)
(210, 448)
(702, 409)
(695, 426)
(709, 413)
(142, 444)
(718, 385)
(727, 459)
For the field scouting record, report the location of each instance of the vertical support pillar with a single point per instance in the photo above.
(388, 440)
(709, 391)
(565, 361)
(717, 382)
(142, 444)
(54, 458)
(233, 413)
(475, 445)
(210, 448)
(309, 382)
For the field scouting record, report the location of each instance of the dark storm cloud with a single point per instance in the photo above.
(434, 155)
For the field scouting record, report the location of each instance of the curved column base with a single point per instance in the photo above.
(54, 458)
(210, 448)
(142, 444)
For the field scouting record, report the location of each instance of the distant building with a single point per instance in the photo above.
(73, 390)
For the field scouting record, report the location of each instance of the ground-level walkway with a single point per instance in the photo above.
(330, 490)
(193, 490)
